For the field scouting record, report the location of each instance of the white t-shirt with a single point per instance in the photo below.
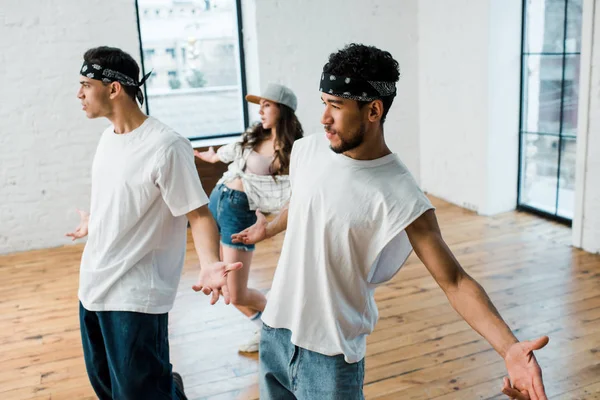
(143, 184)
(345, 235)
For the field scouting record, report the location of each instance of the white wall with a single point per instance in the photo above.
(469, 63)
(297, 36)
(503, 107)
(46, 142)
(586, 222)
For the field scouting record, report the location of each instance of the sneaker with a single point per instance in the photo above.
(252, 345)
(179, 385)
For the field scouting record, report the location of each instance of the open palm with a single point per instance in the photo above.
(82, 229)
(213, 280)
(525, 374)
(253, 234)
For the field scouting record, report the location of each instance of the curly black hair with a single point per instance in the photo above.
(117, 59)
(366, 63)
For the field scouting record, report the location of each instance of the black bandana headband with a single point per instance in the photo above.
(356, 89)
(95, 71)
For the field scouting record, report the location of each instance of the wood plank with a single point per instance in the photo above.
(420, 349)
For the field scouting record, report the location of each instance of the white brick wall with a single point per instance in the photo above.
(46, 142)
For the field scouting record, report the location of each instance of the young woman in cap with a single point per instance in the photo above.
(256, 181)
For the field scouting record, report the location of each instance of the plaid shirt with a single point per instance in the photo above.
(264, 193)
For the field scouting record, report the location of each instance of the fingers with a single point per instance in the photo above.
(515, 394)
(73, 235)
(214, 298)
(198, 287)
(506, 384)
(225, 292)
(233, 267)
(538, 388)
(538, 343)
(239, 237)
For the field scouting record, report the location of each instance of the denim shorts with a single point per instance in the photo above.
(231, 211)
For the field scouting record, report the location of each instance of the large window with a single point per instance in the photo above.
(194, 48)
(550, 90)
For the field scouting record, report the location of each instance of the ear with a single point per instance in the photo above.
(375, 110)
(115, 89)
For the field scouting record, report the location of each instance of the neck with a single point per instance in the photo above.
(273, 133)
(372, 147)
(126, 117)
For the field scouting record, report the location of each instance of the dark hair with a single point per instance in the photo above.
(367, 63)
(288, 130)
(118, 60)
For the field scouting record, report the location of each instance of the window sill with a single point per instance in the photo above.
(197, 143)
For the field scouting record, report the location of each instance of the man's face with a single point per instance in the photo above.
(94, 96)
(344, 123)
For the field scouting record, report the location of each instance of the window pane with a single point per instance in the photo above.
(193, 49)
(574, 12)
(545, 26)
(542, 93)
(539, 168)
(566, 191)
(571, 95)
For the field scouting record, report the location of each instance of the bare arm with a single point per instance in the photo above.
(472, 302)
(467, 297)
(210, 156)
(213, 272)
(205, 234)
(279, 223)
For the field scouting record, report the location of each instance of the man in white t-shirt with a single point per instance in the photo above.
(145, 189)
(354, 217)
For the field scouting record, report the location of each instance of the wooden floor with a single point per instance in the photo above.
(420, 349)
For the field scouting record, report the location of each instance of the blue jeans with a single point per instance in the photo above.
(231, 211)
(290, 372)
(127, 355)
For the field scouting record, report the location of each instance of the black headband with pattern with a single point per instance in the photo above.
(95, 71)
(356, 89)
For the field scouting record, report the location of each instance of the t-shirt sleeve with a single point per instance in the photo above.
(411, 205)
(391, 245)
(227, 153)
(178, 180)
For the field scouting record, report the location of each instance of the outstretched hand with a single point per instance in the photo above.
(82, 229)
(253, 234)
(525, 374)
(213, 279)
